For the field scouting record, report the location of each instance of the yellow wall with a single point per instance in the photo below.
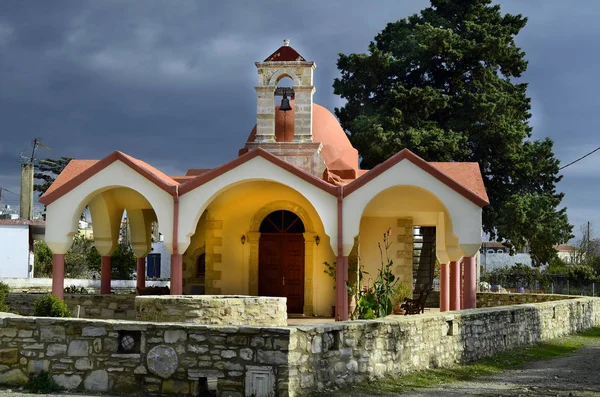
(196, 248)
(231, 214)
(371, 233)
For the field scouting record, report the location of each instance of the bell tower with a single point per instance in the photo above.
(274, 121)
(285, 62)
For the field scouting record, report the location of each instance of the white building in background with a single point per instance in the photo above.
(16, 247)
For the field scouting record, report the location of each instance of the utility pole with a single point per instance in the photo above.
(27, 171)
(588, 242)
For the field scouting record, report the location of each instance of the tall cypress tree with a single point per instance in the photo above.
(445, 84)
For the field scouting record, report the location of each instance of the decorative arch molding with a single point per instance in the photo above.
(279, 74)
(309, 248)
(262, 213)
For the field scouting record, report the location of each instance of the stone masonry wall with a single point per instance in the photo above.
(403, 262)
(147, 358)
(213, 309)
(91, 306)
(493, 299)
(332, 355)
(177, 358)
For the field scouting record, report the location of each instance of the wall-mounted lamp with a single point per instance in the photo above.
(317, 240)
(243, 239)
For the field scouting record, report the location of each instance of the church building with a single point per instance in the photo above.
(264, 223)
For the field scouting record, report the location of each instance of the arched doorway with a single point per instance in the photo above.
(281, 258)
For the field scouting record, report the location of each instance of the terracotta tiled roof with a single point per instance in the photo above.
(181, 179)
(73, 169)
(467, 174)
(259, 152)
(285, 54)
(565, 248)
(77, 171)
(196, 171)
(464, 178)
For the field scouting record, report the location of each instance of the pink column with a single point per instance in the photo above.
(58, 275)
(141, 272)
(461, 280)
(454, 285)
(444, 287)
(105, 275)
(341, 301)
(470, 291)
(176, 274)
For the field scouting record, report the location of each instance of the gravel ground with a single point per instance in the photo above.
(574, 375)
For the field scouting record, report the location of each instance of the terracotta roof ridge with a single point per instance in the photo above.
(406, 154)
(147, 171)
(199, 180)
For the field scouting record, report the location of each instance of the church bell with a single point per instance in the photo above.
(285, 104)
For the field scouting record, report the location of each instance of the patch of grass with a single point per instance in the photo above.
(484, 367)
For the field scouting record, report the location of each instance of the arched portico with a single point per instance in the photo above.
(108, 192)
(407, 192)
(258, 166)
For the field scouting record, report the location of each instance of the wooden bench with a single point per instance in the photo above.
(416, 306)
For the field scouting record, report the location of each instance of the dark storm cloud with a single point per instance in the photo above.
(172, 82)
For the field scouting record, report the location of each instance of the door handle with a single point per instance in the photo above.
(283, 281)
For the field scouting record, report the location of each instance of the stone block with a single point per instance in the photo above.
(37, 366)
(52, 333)
(96, 381)
(14, 377)
(83, 364)
(8, 332)
(56, 350)
(25, 333)
(78, 348)
(228, 354)
(93, 331)
(178, 387)
(9, 356)
(175, 336)
(67, 382)
(272, 357)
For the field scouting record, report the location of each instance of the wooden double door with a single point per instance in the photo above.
(281, 268)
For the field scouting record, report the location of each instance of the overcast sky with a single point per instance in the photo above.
(171, 82)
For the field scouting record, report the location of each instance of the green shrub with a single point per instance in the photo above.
(42, 383)
(50, 306)
(73, 289)
(4, 289)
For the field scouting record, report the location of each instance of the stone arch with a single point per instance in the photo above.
(281, 73)
(309, 248)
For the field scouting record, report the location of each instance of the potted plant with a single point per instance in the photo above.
(400, 293)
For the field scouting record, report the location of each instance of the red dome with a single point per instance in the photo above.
(339, 155)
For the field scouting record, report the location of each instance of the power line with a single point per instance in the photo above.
(581, 158)
(6, 190)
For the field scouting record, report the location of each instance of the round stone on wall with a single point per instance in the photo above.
(162, 361)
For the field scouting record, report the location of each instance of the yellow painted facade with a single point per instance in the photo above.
(232, 267)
